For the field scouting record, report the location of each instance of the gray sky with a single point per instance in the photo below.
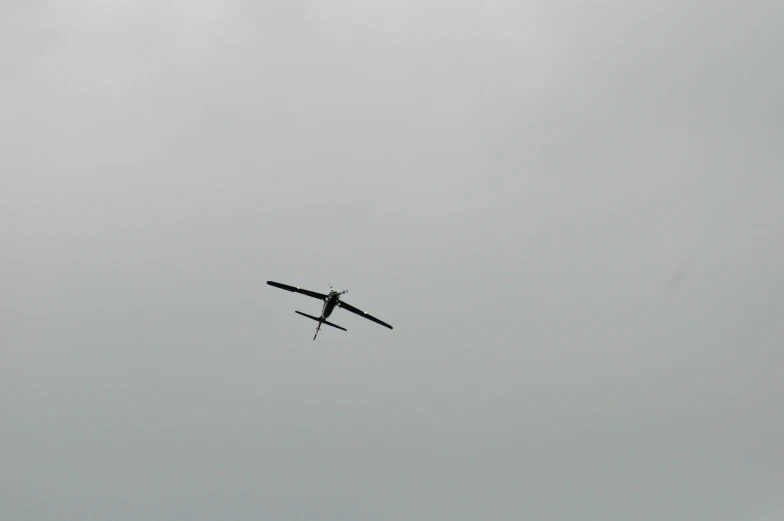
(571, 214)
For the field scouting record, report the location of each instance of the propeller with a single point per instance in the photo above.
(339, 292)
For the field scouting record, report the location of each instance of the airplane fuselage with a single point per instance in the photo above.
(329, 304)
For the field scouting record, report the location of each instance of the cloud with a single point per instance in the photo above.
(513, 187)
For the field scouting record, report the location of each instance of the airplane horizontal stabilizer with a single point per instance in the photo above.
(320, 320)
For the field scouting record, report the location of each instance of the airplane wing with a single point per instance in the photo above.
(320, 296)
(349, 307)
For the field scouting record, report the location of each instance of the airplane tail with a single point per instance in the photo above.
(320, 321)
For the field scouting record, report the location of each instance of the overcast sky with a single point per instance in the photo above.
(570, 212)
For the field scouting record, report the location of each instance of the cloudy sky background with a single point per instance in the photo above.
(571, 213)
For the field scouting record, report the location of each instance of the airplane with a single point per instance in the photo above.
(331, 300)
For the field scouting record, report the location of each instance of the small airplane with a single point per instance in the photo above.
(331, 300)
